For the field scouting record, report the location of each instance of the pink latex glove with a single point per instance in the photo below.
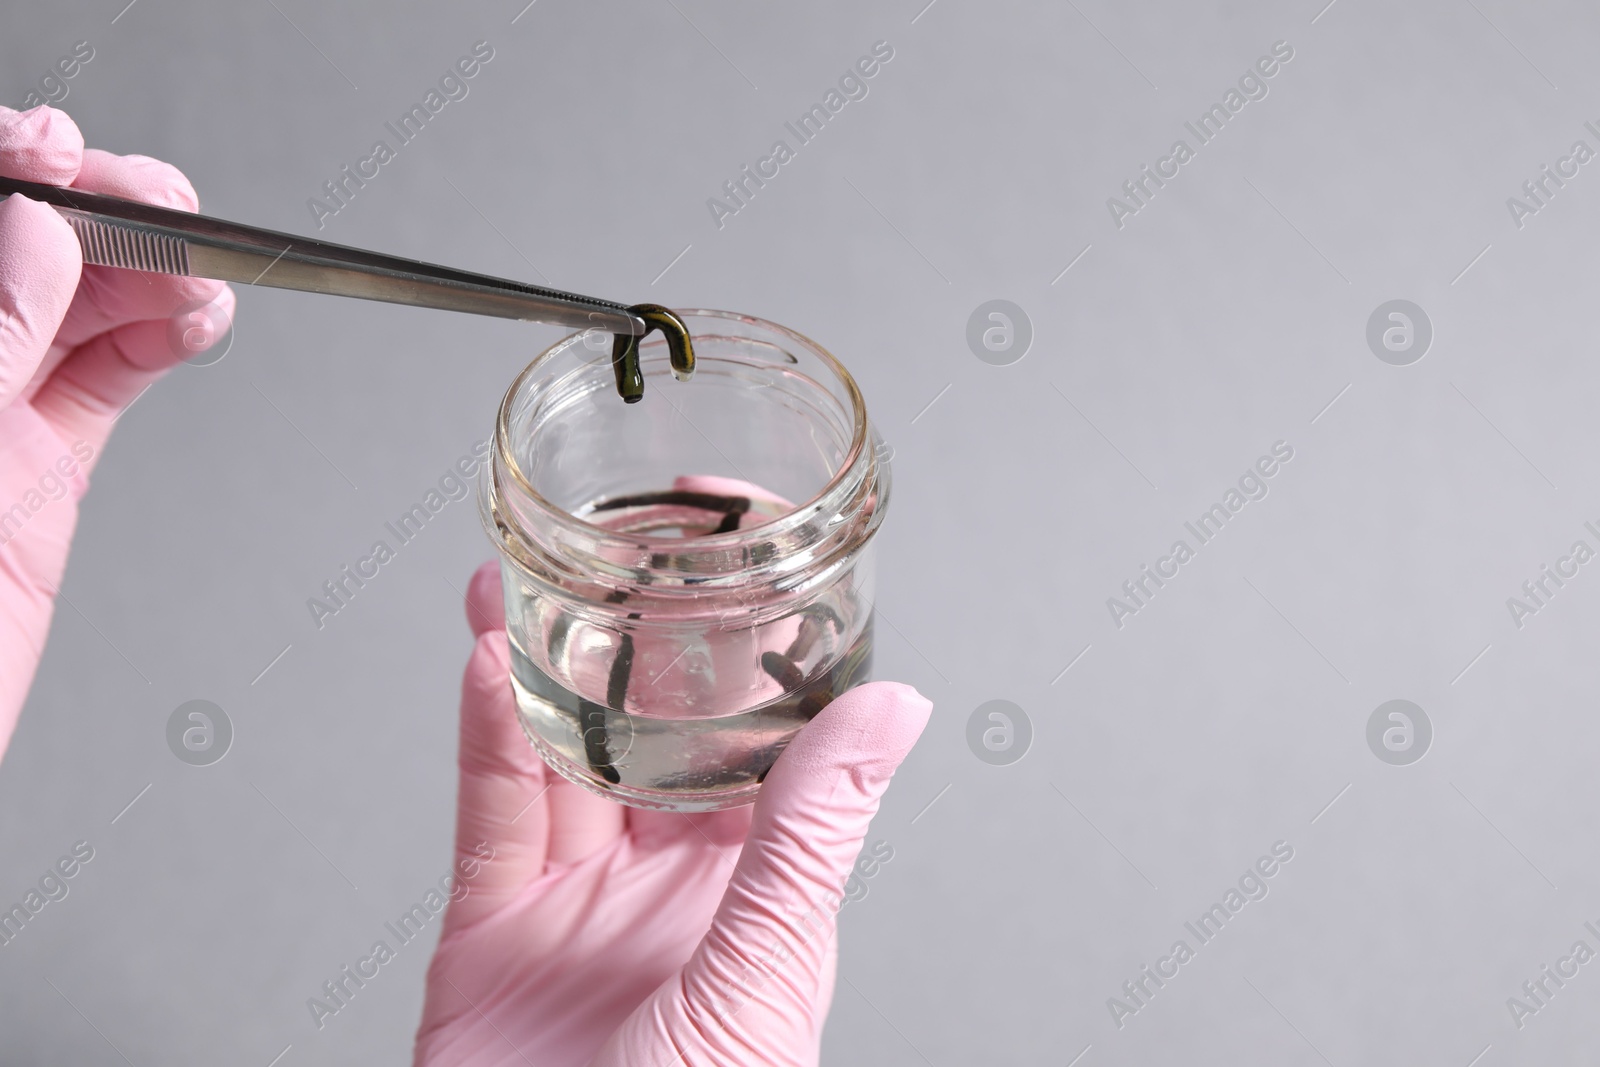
(611, 936)
(77, 345)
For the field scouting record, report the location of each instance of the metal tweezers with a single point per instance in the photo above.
(134, 236)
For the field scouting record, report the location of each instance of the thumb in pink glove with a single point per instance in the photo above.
(758, 986)
(607, 935)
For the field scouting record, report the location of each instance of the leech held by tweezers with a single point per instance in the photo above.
(625, 350)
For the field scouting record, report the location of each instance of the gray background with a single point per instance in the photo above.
(1224, 317)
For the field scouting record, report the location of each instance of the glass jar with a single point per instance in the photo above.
(688, 579)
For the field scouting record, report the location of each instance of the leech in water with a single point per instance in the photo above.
(731, 507)
(819, 625)
(625, 350)
(592, 717)
(784, 667)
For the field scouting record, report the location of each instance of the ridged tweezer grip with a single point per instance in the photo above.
(106, 245)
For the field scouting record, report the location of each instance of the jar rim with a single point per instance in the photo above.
(547, 509)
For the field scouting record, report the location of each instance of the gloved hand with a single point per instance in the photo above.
(610, 936)
(77, 345)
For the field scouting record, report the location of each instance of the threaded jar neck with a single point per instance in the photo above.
(766, 406)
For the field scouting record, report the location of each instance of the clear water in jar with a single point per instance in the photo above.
(658, 745)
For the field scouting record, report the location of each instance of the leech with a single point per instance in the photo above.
(732, 508)
(592, 720)
(783, 670)
(592, 717)
(681, 497)
(625, 350)
(596, 737)
(621, 669)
